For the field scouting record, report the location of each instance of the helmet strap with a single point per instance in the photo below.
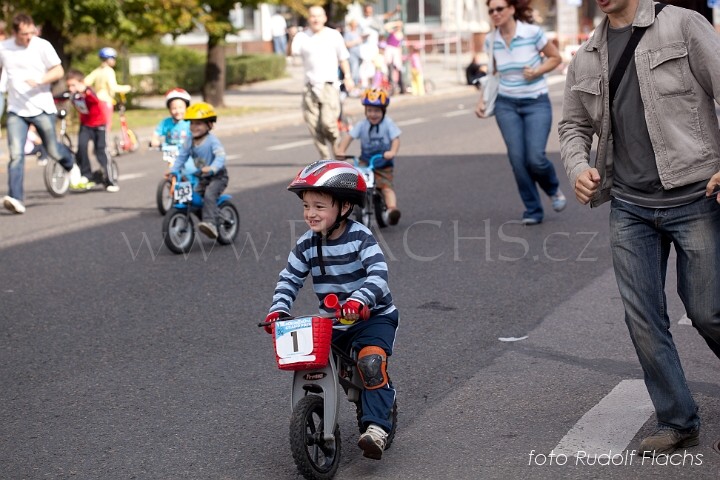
(323, 238)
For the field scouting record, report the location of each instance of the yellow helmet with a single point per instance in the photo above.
(201, 111)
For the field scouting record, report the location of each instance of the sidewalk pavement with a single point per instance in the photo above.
(280, 99)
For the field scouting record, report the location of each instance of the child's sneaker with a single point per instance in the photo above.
(392, 216)
(208, 229)
(372, 442)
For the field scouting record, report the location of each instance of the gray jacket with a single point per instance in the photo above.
(678, 66)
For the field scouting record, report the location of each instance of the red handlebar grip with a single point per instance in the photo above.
(332, 302)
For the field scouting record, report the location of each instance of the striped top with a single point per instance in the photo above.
(524, 50)
(354, 268)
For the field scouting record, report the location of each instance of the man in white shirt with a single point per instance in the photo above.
(278, 30)
(31, 65)
(322, 50)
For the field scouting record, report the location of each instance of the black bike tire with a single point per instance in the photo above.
(391, 433)
(52, 173)
(67, 141)
(307, 418)
(229, 224)
(114, 173)
(169, 233)
(379, 207)
(163, 196)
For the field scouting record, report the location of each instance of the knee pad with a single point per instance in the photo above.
(372, 365)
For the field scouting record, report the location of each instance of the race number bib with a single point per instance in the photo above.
(294, 341)
(183, 192)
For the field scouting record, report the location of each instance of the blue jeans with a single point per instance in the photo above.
(17, 128)
(525, 126)
(280, 45)
(640, 242)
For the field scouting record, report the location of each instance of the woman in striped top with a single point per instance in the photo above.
(343, 258)
(522, 109)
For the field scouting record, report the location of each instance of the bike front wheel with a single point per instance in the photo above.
(164, 196)
(57, 179)
(229, 223)
(315, 457)
(380, 208)
(178, 231)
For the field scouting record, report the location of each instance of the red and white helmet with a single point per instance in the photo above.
(339, 179)
(175, 94)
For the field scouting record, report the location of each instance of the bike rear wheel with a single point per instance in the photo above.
(228, 224)
(164, 196)
(57, 179)
(178, 231)
(316, 458)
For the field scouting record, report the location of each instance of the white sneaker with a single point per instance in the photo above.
(13, 204)
(112, 188)
(75, 175)
(373, 441)
(208, 229)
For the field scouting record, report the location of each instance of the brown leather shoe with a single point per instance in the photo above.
(664, 441)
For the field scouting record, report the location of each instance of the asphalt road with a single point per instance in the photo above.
(119, 359)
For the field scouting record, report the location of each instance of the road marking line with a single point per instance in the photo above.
(411, 122)
(233, 157)
(456, 113)
(287, 146)
(130, 176)
(611, 424)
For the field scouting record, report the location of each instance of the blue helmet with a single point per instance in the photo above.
(107, 52)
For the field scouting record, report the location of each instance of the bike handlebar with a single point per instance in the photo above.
(330, 301)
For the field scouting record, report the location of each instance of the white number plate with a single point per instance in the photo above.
(183, 192)
(169, 153)
(294, 340)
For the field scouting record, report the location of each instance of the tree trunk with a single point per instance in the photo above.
(214, 88)
(53, 35)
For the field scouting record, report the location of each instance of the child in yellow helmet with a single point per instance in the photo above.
(208, 154)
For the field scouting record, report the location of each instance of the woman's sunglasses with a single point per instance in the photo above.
(493, 10)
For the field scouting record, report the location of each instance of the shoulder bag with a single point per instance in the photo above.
(490, 82)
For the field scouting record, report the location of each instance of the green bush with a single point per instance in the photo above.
(184, 67)
(253, 68)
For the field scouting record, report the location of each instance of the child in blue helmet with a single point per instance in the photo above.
(378, 135)
(103, 82)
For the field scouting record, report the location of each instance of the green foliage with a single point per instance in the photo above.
(253, 68)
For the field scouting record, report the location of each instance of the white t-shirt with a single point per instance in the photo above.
(278, 25)
(321, 53)
(28, 63)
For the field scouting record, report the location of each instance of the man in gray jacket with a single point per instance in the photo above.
(660, 170)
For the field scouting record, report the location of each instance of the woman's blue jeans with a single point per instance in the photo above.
(525, 126)
(17, 128)
(640, 242)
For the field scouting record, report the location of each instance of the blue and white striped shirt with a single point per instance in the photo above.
(524, 51)
(354, 268)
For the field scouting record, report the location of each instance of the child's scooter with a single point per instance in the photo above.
(178, 226)
(304, 345)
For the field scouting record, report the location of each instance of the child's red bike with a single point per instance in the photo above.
(320, 369)
(127, 141)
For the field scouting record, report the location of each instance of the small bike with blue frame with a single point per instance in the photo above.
(374, 201)
(320, 369)
(178, 224)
